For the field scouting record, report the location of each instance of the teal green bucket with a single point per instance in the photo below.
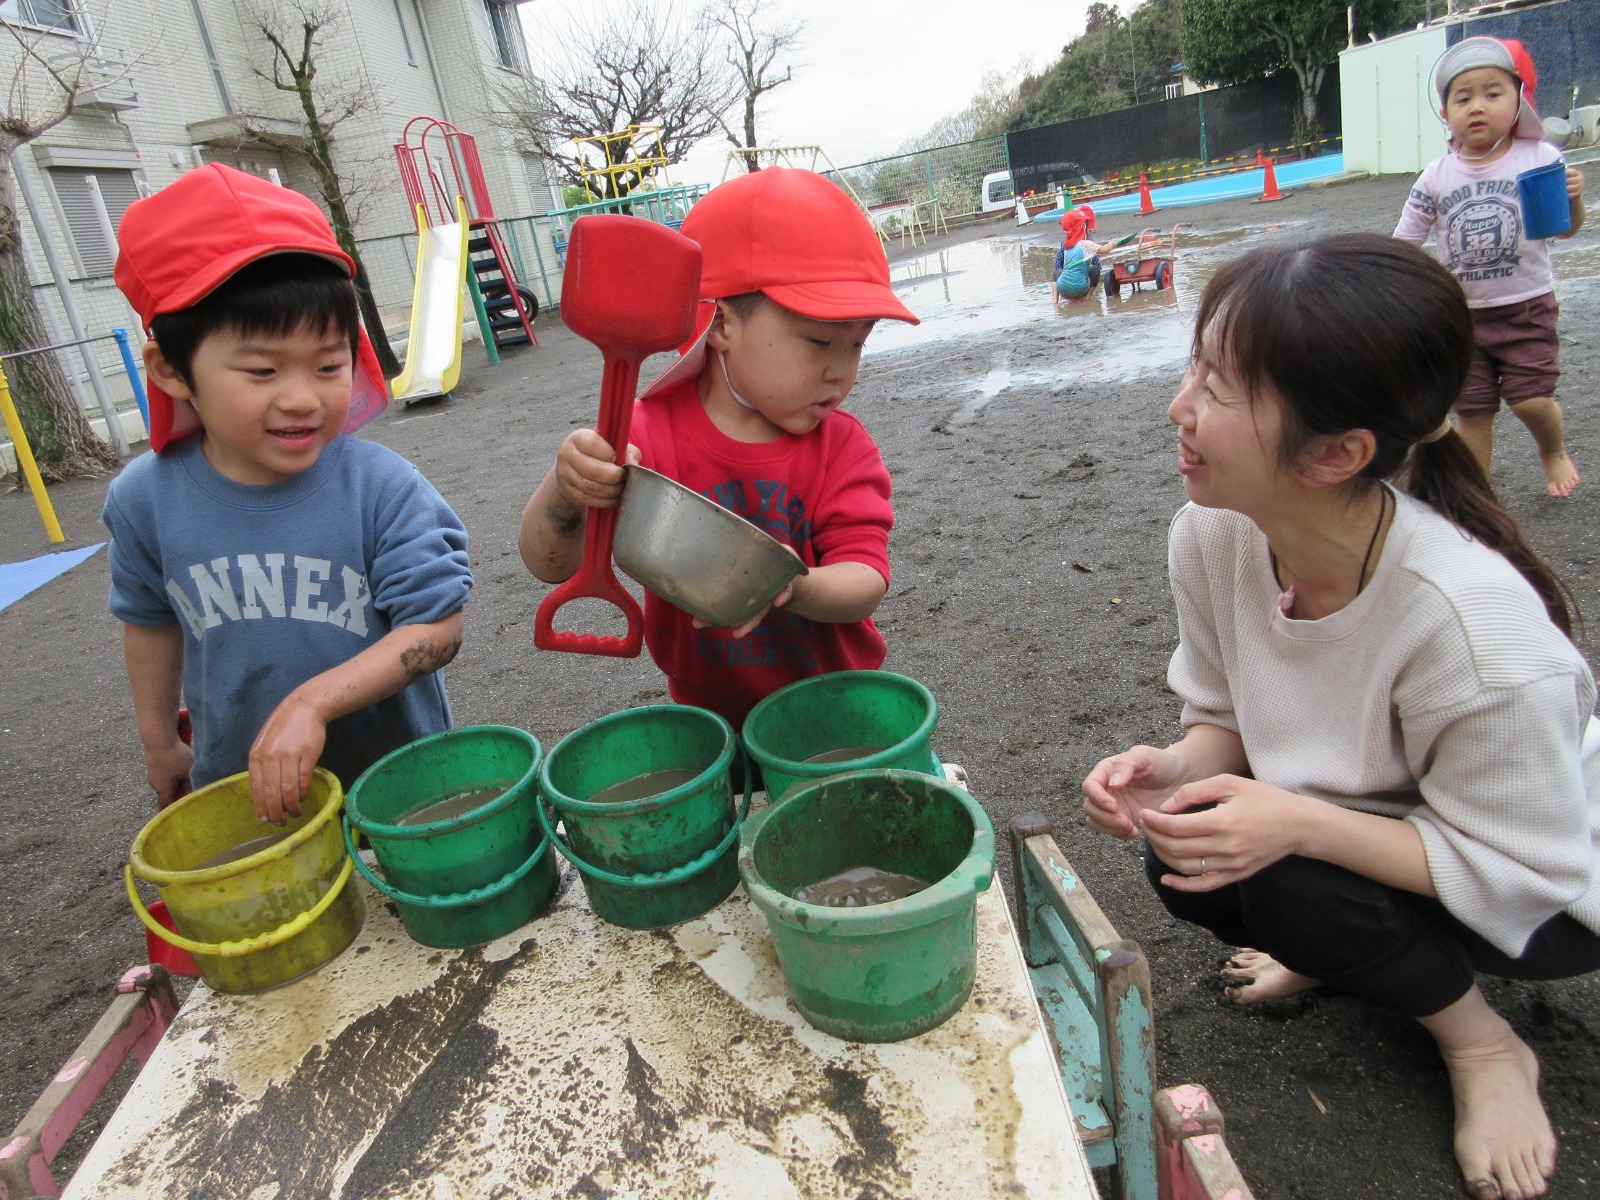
(472, 876)
(658, 859)
(882, 972)
(887, 717)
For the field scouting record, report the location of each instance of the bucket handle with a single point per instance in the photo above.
(653, 879)
(262, 941)
(453, 900)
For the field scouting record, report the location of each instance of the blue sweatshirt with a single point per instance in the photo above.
(275, 584)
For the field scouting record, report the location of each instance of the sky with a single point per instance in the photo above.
(871, 74)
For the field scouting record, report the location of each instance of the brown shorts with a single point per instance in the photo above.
(1514, 355)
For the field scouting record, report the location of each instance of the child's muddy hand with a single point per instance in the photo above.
(168, 769)
(587, 472)
(282, 758)
(748, 627)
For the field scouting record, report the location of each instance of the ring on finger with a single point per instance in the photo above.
(1204, 870)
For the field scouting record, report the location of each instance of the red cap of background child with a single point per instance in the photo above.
(176, 246)
(799, 239)
(1075, 224)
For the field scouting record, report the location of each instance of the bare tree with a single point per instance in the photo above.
(296, 30)
(52, 76)
(756, 48)
(641, 64)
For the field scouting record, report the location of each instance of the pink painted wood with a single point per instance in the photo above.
(1193, 1161)
(136, 1020)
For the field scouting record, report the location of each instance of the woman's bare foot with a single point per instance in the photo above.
(1560, 474)
(1504, 1142)
(1503, 1137)
(1255, 977)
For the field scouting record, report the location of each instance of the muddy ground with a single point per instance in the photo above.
(1034, 480)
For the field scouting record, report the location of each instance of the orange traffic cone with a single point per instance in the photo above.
(1269, 185)
(1145, 206)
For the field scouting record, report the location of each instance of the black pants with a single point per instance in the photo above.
(1389, 946)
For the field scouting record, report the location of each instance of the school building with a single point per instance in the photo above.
(168, 85)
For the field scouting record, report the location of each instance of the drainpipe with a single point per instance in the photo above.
(70, 304)
(433, 64)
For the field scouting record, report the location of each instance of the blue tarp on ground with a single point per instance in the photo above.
(1241, 185)
(19, 578)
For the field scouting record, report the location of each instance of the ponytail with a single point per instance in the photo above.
(1445, 475)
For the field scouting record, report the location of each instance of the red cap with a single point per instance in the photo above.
(797, 238)
(1075, 224)
(177, 246)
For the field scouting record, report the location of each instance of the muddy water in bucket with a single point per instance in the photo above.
(843, 721)
(452, 823)
(648, 810)
(255, 908)
(882, 971)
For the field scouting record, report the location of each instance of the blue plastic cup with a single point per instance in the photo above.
(1546, 212)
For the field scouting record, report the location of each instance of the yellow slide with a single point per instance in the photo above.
(438, 309)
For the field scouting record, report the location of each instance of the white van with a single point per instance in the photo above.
(997, 192)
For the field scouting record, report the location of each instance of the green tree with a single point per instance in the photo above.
(1117, 62)
(1233, 41)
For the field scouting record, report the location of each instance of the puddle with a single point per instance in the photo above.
(1002, 284)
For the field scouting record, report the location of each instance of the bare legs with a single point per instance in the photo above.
(1503, 1142)
(1542, 416)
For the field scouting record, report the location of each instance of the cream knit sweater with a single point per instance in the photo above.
(1442, 695)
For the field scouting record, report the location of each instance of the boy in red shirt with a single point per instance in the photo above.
(792, 282)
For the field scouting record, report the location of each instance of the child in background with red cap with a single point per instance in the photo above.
(793, 280)
(1470, 198)
(298, 590)
(1077, 266)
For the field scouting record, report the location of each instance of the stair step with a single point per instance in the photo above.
(520, 339)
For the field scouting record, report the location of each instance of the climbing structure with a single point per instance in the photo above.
(438, 163)
(644, 141)
(806, 158)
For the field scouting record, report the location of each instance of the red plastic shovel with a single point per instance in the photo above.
(630, 288)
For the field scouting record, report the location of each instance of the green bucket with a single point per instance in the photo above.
(882, 972)
(472, 876)
(888, 715)
(661, 858)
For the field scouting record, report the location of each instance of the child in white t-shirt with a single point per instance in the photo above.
(1470, 198)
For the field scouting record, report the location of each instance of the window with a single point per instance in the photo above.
(96, 253)
(52, 14)
(405, 37)
(508, 44)
(211, 57)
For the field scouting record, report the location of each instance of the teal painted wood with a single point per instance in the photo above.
(1075, 1034)
(1132, 1071)
(1094, 990)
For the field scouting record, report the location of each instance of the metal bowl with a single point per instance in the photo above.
(696, 554)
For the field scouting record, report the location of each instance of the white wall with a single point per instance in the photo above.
(1390, 111)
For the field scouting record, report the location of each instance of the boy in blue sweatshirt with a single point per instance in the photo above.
(297, 589)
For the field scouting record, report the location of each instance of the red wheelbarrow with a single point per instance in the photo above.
(1152, 260)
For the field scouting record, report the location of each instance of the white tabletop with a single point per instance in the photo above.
(573, 1057)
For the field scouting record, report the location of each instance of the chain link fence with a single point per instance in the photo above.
(950, 175)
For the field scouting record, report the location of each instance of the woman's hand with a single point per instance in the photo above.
(1220, 830)
(1123, 787)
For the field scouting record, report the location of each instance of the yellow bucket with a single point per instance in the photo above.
(263, 919)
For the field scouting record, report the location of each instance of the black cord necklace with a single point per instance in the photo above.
(1383, 506)
(1286, 600)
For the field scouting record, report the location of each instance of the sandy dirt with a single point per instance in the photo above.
(1034, 480)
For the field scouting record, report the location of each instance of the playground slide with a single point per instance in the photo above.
(438, 307)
